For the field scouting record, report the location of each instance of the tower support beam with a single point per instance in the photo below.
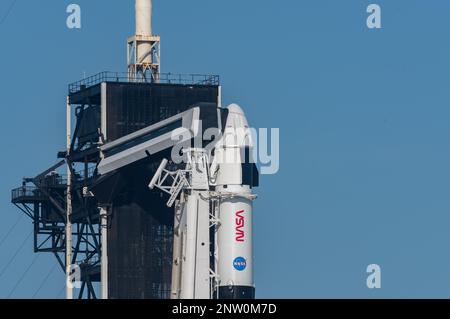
(104, 259)
(69, 286)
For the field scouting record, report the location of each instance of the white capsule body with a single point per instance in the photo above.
(234, 234)
(235, 238)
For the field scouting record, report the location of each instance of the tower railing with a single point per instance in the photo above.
(123, 77)
(26, 192)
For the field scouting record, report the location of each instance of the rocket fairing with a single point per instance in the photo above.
(234, 240)
(235, 262)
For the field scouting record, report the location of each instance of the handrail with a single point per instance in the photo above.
(164, 78)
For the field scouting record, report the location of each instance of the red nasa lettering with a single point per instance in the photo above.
(240, 223)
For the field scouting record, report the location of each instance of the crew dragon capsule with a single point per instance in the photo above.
(234, 184)
(214, 205)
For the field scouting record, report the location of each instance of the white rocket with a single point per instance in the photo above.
(214, 192)
(235, 242)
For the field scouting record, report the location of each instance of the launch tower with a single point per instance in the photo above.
(106, 228)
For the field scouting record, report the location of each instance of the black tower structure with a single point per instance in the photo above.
(106, 107)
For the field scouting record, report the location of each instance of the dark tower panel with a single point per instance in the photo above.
(140, 252)
(140, 235)
(134, 106)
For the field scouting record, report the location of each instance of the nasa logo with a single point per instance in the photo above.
(240, 264)
(240, 222)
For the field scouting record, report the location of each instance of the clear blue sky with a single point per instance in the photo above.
(364, 118)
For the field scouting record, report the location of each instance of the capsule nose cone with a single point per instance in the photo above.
(236, 117)
(237, 132)
(236, 109)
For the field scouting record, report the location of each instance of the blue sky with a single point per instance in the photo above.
(364, 119)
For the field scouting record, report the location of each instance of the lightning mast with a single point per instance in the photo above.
(143, 50)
